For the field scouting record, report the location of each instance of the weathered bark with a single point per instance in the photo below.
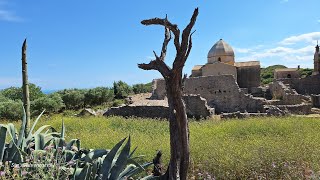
(25, 86)
(179, 130)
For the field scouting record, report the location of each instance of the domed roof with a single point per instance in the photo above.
(221, 48)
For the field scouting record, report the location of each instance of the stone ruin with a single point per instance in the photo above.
(231, 89)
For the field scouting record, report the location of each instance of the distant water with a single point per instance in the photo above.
(49, 91)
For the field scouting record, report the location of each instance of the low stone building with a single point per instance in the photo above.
(286, 73)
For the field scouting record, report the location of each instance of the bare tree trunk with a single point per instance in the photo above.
(25, 86)
(178, 122)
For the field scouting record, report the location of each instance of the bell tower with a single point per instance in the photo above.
(316, 61)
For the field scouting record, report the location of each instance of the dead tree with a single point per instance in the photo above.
(25, 86)
(179, 130)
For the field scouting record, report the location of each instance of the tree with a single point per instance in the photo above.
(178, 122)
(121, 89)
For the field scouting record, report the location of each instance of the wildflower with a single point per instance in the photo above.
(23, 173)
(2, 173)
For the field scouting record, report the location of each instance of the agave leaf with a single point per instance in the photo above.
(82, 173)
(71, 143)
(62, 129)
(95, 154)
(40, 130)
(22, 128)
(69, 155)
(135, 171)
(39, 141)
(12, 132)
(151, 177)
(126, 171)
(133, 152)
(3, 135)
(121, 161)
(95, 167)
(34, 124)
(107, 162)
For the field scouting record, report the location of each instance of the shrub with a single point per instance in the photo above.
(98, 96)
(15, 93)
(142, 88)
(73, 98)
(121, 89)
(51, 103)
(11, 110)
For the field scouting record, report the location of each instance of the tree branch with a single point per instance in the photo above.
(181, 55)
(189, 45)
(164, 22)
(166, 40)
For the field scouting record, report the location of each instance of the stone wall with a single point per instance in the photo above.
(296, 108)
(248, 76)
(221, 92)
(285, 93)
(217, 69)
(197, 107)
(315, 100)
(158, 89)
(308, 85)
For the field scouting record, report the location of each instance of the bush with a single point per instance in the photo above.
(11, 110)
(142, 88)
(51, 103)
(98, 96)
(121, 89)
(15, 93)
(73, 98)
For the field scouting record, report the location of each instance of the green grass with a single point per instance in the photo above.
(261, 147)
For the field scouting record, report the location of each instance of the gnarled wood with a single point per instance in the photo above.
(179, 130)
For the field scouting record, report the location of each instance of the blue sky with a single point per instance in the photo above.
(82, 44)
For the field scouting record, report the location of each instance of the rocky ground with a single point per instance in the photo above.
(143, 100)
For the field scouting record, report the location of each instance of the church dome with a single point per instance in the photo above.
(221, 52)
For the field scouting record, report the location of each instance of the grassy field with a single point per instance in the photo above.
(269, 148)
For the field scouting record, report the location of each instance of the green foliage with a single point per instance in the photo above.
(10, 109)
(267, 73)
(15, 93)
(44, 154)
(52, 103)
(3, 98)
(305, 72)
(73, 98)
(118, 102)
(142, 88)
(98, 96)
(121, 90)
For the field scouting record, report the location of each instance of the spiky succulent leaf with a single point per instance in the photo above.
(3, 135)
(121, 161)
(34, 124)
(107, 162)
(39, 142)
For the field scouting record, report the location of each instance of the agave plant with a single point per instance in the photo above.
(118, 163)
(93, 164)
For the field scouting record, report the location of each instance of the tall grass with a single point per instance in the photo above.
(253, 148)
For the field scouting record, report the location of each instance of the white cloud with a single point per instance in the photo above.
(8, 16)
(318, 20)
(308, 37)
(284, 1)
(242, 50)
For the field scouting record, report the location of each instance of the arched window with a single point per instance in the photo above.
(289, 76)
(219, 59)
